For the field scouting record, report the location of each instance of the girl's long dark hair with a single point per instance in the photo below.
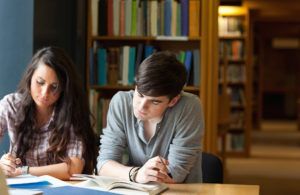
(71, 110)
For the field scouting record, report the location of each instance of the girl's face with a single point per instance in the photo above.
(44, 87)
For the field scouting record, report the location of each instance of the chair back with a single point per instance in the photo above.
(212, 168)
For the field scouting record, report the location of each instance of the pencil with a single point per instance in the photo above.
(169, 173)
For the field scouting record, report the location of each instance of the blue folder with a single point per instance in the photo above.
(73, 190)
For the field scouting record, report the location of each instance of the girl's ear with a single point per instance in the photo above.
(174, 100)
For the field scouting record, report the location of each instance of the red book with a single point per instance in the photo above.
(110, 18)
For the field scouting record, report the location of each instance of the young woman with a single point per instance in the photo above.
(48, 120)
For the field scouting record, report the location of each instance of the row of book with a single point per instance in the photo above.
(234, 142)
(235, 73)
(235, 49)
(237, 96)
(238, 119)
(118, 65)
(99, 108)
(230, 26)
(145, 17)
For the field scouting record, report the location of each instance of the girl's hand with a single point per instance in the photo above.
(8, 164)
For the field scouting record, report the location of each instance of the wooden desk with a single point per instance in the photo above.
(212, 189)
(208, 189)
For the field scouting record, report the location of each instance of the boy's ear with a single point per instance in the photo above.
(174, 100)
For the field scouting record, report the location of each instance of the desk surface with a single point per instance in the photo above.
(212, 189)
(208, 189)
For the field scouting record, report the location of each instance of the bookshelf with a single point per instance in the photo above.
(161, 40)
(234, 77)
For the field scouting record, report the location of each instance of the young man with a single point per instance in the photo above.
(160, 125)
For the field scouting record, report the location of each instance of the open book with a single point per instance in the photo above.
(117, 185)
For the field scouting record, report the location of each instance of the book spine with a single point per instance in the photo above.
(91, 67)
(194, 18)
(184, 17)
(122, 18)
(173, 20)
(128, 13)
(102, 66)
(125, 65)
(102, 16)
(132, 54)
(133, 17)
(168, 17)
(178, 20)
(153, 18)
(110, 13)
(188, 64)
(196, 65)
(116, 17)
(95, 16)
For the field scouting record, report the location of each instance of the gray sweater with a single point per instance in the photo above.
(177, 137)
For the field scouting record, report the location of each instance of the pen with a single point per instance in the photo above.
(169, 173)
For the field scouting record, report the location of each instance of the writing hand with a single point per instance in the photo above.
(8, 163)
(153, 170)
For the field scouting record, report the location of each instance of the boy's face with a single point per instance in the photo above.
(150, 108)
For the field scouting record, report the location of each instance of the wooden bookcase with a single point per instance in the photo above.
(202, 42)
(235, 77)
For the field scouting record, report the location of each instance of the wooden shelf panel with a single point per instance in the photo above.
(236, 154)
(145, 38)
(238, 106)
(233, 37)
(121, 87)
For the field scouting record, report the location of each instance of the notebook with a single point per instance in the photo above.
(119, 186)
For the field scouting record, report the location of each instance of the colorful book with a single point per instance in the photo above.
(185, 17)
(174, 17)
(168, 17)
(110, 14)
(181, 56)
(102, 80)
(113, 65)
(178, 20)
(102, 16)
(125, 64)
(194, 18)
(139, 57)
(116, 17)
(128, 13)
(188, 64)
(162, 17)
(196, 66)
(122, 18)
(91, 66)
(149, 50)
(133, 17)
(153, 18)
(145, 17)
(131, 64)
(94, 15)
(159, 17)
(139, 19)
